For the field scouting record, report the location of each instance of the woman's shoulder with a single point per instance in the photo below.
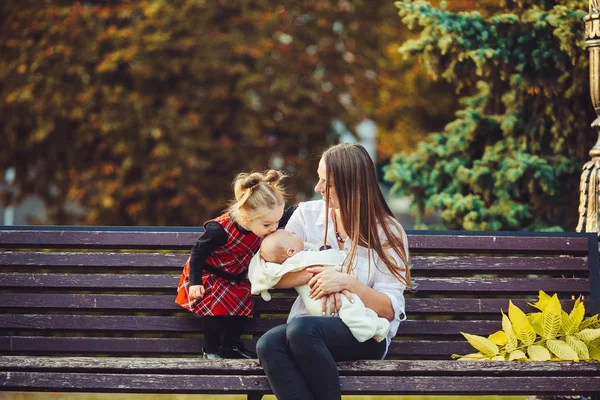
(312, 204)
(311, 207)
(394, 227)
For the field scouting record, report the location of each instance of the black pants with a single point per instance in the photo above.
(299, 358)
(222, 331)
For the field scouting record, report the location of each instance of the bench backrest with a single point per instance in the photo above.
(110, 291)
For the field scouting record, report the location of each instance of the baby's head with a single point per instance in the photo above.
(280, 245)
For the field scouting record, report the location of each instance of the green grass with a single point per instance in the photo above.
(119, 396)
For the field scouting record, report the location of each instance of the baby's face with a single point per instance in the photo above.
(280, 245)
(296, 243)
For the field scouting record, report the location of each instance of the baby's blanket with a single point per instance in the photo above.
(264, 275)
(363, 322)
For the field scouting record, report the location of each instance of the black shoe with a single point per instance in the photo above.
(238, 351)
(210, 356)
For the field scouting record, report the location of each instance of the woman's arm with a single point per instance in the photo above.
(293, 279)
(375, 300)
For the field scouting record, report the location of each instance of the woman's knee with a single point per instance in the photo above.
(270, 342)
(300, 330)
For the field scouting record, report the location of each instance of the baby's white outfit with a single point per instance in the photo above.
(363, 322)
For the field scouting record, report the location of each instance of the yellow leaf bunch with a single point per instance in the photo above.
(548, 335)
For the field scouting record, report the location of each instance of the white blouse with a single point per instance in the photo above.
(308, 222)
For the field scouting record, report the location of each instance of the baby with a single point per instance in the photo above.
(282, 252)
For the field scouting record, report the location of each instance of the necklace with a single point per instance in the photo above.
(335, 229)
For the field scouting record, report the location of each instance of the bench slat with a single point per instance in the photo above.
(36, 322)
(69, 239)
(105, 383)
(174, 262)
(439, 242)
(518, 242)
(161, 303)
(145, 282)
(498, 265)
(135, 365)
(179, 346)
(170, 261)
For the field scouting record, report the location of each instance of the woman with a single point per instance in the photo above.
(299, 357)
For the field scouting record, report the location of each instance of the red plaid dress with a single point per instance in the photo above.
(223, 297)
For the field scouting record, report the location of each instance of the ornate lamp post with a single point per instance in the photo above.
(589, 201)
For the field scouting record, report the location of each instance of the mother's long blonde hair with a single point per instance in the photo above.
(363, 209)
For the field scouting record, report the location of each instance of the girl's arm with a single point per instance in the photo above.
(213, 236)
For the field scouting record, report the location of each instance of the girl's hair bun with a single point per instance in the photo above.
(252, 180)
(273, 176)
(256, 190)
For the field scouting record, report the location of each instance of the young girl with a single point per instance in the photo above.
(214, 282)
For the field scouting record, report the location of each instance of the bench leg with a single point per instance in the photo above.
(255, 396)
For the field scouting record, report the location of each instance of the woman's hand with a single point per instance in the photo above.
(335, 302)
(327, 280)
(196, 291)
(329, 285)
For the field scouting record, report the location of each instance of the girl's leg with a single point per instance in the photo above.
(232, 346)
(213, 330)
(235, 327)
(316, 343)
(286, 380)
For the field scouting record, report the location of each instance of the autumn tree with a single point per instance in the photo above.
(142, 112)
(511, 158)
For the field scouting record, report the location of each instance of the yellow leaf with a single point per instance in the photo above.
(484, 345)
(588, 335)
(511, 338)
(498, 338)
(497, 358)
(576, 315)
(541, 303)
(551, 318)
(538, 353)
(562, 350)
(563, 318)
(471, 357)
(517, 355)
(535, 319)
(594, 348)
(577, 302)
(589, 323)
(520, 324)
(579, 347)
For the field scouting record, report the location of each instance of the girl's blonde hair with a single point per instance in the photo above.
(256, 190)
(364, 211)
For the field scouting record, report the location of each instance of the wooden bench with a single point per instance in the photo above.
(86, 310)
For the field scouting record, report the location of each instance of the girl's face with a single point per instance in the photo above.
(266, 223)
(320, 187)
